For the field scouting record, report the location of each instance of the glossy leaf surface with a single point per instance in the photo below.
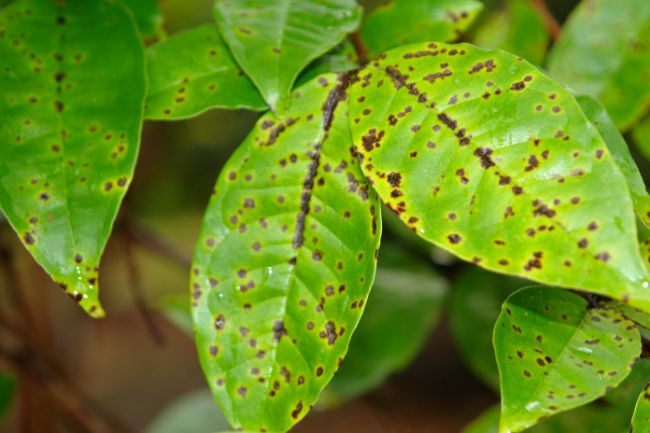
(284, 262)
(555, 353)
(476, 299)
(604, 51)
(402, 22)
(194, 71)
(66, 154)
(482, 154)
(404, 305)
(641, 418)
(273, 40)
(517, 28)
(617, 146)
(147, 16)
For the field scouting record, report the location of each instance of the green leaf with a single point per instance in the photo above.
(517, 28)
(194, 71)
(67, 153)
(7, 391)
(641, 418)
(147, 16)
(273, 40)
(501, 168)
(625, 395)
(285, 261)
(593, 418)
(476, 299)
(191, 413)
(641, 136)
(404, 305)
(604, 51)
(617, 146)
(402, 22)
(555, 353)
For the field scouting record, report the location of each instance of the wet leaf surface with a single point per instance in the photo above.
(555, 353)
(476, 299)
(194, 71)
(67, 158)
(285, 261)
(402, 22)
(604, 51)
(274, 40)
(482, 154)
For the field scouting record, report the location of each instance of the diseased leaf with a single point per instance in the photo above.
(285, 261)
(641, 136)
(404, 305)
(402, 22)
(604, 51)
(342, 58)
(273, 40)
(501, 167)
(641, 418)
(555, 353)
(625, 395)
(617, 146)
(194, 71)
(476, 299)
(66, 154)
(517, 28)
(147, 16)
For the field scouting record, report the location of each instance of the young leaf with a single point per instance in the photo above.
(603, 51)
(501, 168)
(555, 353)
(641, 418)
(517, 28)
(285, 261)
(476, 300)
(402, 22)
(194, 71)
(617, 146)
(147, 16)
(67, 153)
(404, 305)
(274, 40)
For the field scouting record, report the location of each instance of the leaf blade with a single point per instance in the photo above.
(274, 40)
(67, 159)
(486, 167)
(278, 282)
(555, 353)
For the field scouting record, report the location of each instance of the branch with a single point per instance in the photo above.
(137, 291)
(150, 241)
(359, 47)
(551, 23)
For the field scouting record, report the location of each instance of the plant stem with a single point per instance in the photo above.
(359, 48)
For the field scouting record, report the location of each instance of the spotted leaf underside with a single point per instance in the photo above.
(482, 154)
(556, 353)
(604, 51)
(285, 261)
(402, 22)
(641, 418)
(66, 154)
(273, 40)
(194, 71)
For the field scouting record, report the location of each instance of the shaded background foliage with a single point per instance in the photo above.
(139, 372)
